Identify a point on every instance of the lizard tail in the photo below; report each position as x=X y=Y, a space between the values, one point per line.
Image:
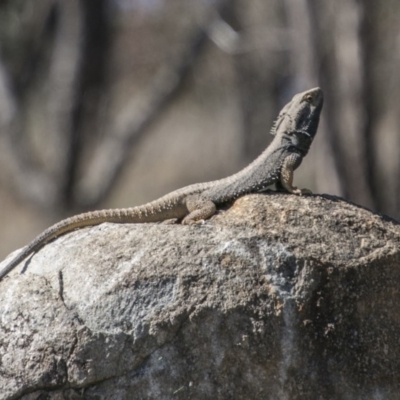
x=125 y=215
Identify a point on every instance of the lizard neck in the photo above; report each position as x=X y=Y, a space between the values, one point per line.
x=297 y=141
x=256 y=177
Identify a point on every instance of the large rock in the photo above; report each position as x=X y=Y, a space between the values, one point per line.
x=280 y=297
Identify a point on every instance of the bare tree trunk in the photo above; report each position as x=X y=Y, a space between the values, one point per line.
x=337 y=44
x=379 y=35
x=305 y=64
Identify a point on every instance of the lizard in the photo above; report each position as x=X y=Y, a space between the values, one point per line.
x=293 y=131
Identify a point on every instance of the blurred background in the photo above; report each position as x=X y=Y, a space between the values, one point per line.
x=112 y=103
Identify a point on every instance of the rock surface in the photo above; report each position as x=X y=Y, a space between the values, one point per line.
x=279 y=297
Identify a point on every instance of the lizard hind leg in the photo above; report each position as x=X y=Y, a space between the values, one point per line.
x=286 y=176
x=199 y=209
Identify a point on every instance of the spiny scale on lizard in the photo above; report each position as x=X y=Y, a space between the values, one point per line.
x=293 y=132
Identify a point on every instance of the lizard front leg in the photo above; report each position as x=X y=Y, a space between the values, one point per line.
x=286 y=176
x=199 y=209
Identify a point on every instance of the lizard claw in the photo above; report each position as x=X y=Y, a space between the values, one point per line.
x=197 y=222
x=306 y=191
x=189 y=221
x=301 y=192
x=169 y=221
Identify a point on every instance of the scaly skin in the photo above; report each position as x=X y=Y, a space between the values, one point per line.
x=294 y=131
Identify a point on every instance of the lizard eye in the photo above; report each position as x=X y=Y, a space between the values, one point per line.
x=308 y=98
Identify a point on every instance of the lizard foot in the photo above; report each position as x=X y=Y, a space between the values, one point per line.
x=301 y=192
x=170 y=221
x=199 y=210
x=193 y=222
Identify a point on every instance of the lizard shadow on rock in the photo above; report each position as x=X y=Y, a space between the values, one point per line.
x=336 y=199
x=26 y=265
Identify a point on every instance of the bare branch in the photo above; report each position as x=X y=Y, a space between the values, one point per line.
x=133 y=121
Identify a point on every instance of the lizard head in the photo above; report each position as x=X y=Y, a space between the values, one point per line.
x=298 y=120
